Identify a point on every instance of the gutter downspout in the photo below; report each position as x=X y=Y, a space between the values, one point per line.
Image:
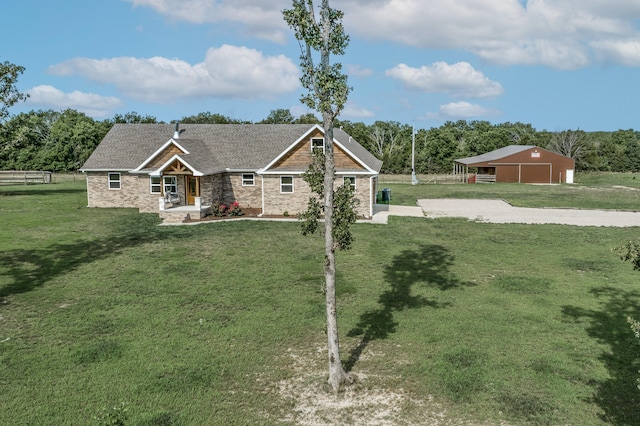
x=373 y=193
x=262 y=194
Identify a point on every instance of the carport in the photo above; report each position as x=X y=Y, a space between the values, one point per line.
x=516 y=163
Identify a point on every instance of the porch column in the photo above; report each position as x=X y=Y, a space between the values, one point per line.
x=198 y=202
x=161 y=204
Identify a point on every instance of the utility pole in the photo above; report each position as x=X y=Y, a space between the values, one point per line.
x=414 y=179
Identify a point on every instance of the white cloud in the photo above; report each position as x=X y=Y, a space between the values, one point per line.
x=227 y=72
x=89 y=103
x=562 y=34
x=459 y=80
x=625 y=52
x=259 y=18
x=555 y=33
x=354 y=112
x=461 y=111
x=358 y=71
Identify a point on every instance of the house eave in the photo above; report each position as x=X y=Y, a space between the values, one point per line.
x=106 y=170
x=159 y=170
x=159 y=150
x=293 y=145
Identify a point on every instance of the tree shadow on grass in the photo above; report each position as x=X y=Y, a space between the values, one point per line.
x=30 y=190
x=618 y=397
x=427 y=265
x=28 y=269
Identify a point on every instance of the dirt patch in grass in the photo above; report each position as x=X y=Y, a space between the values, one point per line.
x=365 y=403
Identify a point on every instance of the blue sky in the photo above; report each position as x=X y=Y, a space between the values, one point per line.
x=557 y=64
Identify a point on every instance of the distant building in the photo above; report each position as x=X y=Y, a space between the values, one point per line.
x=516 y=163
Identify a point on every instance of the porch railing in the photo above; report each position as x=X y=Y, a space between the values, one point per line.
x=485 y=178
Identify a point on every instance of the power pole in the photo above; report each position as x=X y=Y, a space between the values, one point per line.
x=414 y=179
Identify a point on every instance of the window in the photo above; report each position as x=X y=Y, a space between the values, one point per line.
x=156 y=184
x=286 y=184
x=317 y=143
x=248 y=179
x=170 y=184
x=114 y=181
x=351 y=181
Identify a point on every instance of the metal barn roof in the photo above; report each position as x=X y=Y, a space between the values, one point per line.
x=494 y=155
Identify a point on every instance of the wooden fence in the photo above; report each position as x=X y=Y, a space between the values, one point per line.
x=422 y=178
x=12 y=177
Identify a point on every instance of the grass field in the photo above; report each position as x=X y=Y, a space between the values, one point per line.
x=619 y=191
x=105 y=316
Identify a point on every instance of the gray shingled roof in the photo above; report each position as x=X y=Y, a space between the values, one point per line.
x=358 y=150
x=212 y=147
x=494 y=155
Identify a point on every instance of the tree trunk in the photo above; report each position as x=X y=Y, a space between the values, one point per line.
x=337 y=375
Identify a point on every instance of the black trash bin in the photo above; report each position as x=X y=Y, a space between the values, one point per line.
x=386 y=195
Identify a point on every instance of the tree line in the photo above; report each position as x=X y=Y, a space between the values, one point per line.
x=61 y=141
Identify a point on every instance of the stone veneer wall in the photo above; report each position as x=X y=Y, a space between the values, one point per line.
x=206 y=190
x=277 y=203
x=247 y=196
x=227 y=188
x=135 y=191
x=99 y=194
x=363 y=193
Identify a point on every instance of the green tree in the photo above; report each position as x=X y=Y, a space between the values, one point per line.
x=209 y=118
x=9 y=93
x=390 y=141
x=630 y=252
x=613 y=149
x=23 y=137
x=72 y=138
x=279 y=116
x=308 y=118
x=134 y=118
x=49 y=140
x=438 y=148
x=327 y=92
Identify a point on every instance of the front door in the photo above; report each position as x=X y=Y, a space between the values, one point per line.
x=193 y=189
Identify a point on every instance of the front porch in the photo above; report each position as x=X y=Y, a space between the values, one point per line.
x=178 y=213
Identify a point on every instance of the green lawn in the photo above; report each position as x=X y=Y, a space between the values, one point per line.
x=591 y=191
x=222 y=323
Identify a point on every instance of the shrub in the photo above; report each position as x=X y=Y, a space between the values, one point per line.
x=219 y=209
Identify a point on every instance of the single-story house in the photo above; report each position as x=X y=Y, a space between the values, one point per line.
x=186 y=169
x=516 y=163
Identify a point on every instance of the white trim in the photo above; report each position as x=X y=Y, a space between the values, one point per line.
x=171 y=160
x=253 y=179
x=292 y=184
x=312 y=148
x=119 y=180
x=262 y=195
x=158 y=151
x=290 y=147
x=355 y=181
x=151 y=185
x=354 y=157
x=282 y=172
x=305 y=136
x=342 y=173
x=164 y=185
x=104 y=170
x=228 y=170
x=373 y=192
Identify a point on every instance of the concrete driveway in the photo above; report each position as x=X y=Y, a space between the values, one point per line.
x=498 y=211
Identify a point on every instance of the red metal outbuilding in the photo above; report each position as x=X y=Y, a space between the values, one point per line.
x=516 y=163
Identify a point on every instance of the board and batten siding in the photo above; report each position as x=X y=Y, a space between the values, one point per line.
x=300 y=157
